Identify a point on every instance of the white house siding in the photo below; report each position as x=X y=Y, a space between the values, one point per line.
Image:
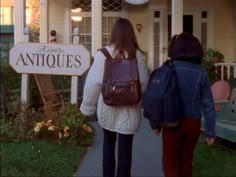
x=224 y=21
x=6 y=3
x=139 y=15
x=225 y=28
x=56 y=21
x=161 y=2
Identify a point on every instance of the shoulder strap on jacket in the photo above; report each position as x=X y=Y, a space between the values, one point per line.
x=106 y=53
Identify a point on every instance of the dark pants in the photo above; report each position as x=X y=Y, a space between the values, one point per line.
x=124 y=154
x=178 y=147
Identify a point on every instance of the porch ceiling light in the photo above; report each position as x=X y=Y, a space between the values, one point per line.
x=76 y=10
x=76 y=18
x=137 y=2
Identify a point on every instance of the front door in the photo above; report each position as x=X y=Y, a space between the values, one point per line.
x=194 y=22
x=190 y=24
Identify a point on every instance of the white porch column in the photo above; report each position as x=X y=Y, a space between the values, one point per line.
x=19 y=37
x=19 y=12
x=96 y=25
x=43 y=21
x=177 y=17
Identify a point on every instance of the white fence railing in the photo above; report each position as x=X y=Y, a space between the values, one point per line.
x=227 y=70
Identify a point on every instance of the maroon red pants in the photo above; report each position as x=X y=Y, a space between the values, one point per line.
x=178 y=147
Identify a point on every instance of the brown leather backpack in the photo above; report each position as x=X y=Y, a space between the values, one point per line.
x=121 y=84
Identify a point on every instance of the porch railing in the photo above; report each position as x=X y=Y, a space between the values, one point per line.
x=226 y=70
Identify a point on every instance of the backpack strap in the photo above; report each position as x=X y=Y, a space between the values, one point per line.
x=106 y=53
x=172 y=65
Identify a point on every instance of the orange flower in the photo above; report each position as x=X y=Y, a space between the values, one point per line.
x=87 y=128
x=48 y=123
x=66 y=129
x=66 y=134
x=37 y=129
x=52 y=128
x=40 y=124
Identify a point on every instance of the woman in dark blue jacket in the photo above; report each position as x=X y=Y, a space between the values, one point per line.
x=179 y=143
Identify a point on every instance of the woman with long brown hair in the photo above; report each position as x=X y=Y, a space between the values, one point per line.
x=118 y=122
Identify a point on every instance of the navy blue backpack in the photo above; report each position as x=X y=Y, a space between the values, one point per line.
x=162 y=102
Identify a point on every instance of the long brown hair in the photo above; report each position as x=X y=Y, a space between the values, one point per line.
x=124 y=38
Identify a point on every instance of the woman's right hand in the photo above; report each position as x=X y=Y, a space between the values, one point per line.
x=210 y=141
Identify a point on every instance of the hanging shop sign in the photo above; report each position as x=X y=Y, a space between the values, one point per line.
x=58 y=59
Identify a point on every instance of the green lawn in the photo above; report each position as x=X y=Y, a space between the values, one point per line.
x=39 y=158
x=218 y=160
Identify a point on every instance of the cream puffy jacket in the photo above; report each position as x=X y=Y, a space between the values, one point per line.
x=122 y=119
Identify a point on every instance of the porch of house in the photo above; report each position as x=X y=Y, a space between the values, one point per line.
x=226 y=116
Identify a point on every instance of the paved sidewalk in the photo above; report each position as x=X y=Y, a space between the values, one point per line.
x=147 y=152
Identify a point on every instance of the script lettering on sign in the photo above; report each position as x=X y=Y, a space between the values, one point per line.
x=49 y=59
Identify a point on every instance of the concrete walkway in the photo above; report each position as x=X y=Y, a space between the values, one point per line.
x=147 y=154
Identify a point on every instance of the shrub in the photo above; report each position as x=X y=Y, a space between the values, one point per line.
x=9 y=77
x=17 y=123
x=70 y=128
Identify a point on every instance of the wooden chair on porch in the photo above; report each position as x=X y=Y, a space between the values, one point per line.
x=221 y=91
x=52 y=99
x=224 y=94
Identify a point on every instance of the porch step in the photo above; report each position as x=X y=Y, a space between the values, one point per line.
x=226 y=130
x=227 y=124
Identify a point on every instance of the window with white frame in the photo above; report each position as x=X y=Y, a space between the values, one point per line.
x=204 y=30
x=6 y=15
x=156 y=39
x=107 y=25
x=81 y=18
x=85 y=31
x=112 y=10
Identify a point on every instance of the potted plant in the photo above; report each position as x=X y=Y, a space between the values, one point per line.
x=211 y=70
x=212 y=56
